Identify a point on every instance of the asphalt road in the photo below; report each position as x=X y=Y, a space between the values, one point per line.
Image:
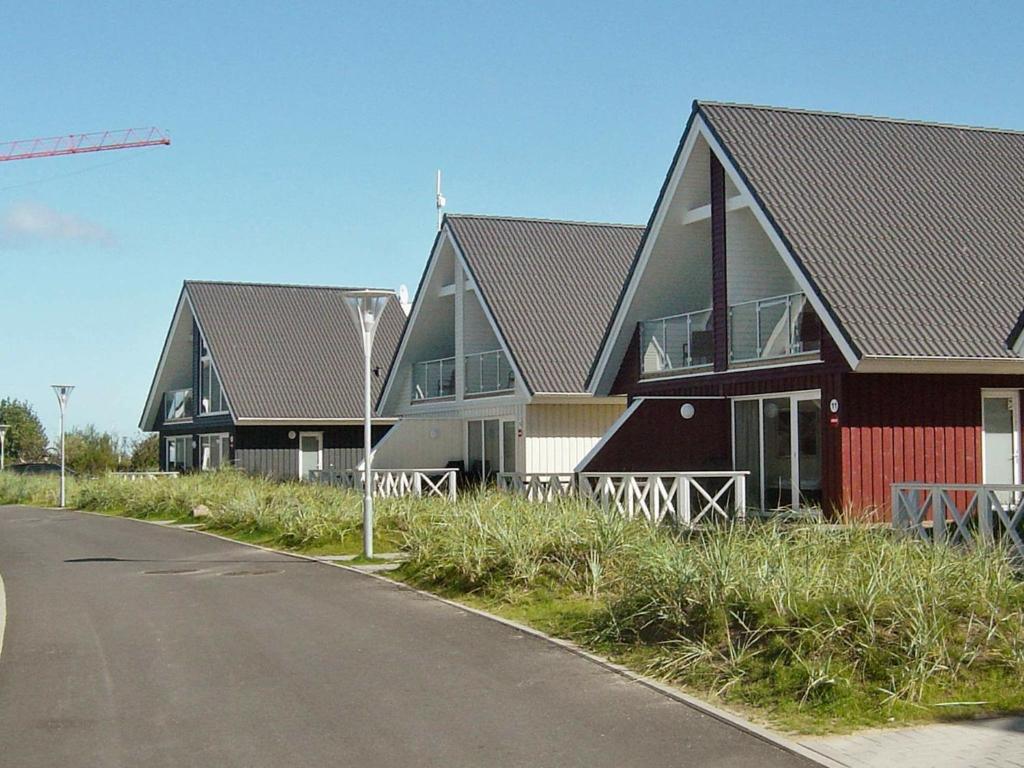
x=137 y=645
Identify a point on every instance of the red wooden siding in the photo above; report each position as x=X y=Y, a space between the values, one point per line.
x=719 y=284
x=656 y=438
x=909 y=428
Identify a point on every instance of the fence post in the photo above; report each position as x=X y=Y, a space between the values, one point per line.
x=451 y=485
x=985 y=513
x=740 y=483
x=417 y=484
x=938 y=516
x=685 y=512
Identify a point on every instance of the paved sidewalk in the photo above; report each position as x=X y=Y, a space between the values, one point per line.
x=977 y=744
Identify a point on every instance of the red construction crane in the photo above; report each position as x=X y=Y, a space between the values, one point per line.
x=80 y=143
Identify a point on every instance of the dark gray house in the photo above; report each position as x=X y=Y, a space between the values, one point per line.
x=268 y=378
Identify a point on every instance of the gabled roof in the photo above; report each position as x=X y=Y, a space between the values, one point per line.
x=550 y=286
x=911 y=233
x=288 y=352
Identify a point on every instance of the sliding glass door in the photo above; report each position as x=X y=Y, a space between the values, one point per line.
x=490 y=447
x=777 y=438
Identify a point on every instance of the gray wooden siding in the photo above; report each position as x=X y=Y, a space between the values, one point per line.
x=270 y=452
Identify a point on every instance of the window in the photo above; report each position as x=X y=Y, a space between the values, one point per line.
x=215 y=451
x=211 y=396
x=491 y=447
x=179 y=453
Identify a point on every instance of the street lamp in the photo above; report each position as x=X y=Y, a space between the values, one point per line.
x=62 y=391
x=3 y=433
x=366 y=308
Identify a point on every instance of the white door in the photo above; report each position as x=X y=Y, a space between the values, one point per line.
x=311 y=453
x=1000 y=436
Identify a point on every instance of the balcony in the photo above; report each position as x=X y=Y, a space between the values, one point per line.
x=676 y=343
x=489 y=373
x=177 y=405
x=779 y=326
x=433 y=379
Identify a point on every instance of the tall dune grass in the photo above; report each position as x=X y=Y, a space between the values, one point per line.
x=812 y=624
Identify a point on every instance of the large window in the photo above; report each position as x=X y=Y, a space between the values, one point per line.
x=777 y=438
x=211 y=396
x=179 y=453
x=214 y=451
x=491 y=447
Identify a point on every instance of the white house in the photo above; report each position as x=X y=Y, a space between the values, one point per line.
x=491 y=369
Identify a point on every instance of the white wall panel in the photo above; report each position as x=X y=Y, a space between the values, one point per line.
x=559 y=436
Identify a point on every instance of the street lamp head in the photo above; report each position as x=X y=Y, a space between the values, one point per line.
x=366 y=305
x=3 y=429
x=62 y=391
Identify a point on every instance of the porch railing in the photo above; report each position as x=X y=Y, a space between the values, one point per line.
x=684 y=498
x=537 y=486
x=677 y=342
x=394 y=483
x=986 y=515
x=770 y=327
x=488 y=372
x=433 y=379
x=177 y=405
x=142 y=475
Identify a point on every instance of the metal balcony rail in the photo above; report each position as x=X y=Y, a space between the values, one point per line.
x=178 y=405
x=488 y=372
x=769 y=328
x=433 y=379
x=676 y=342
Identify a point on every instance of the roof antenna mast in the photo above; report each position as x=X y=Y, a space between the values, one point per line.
x=440 y=201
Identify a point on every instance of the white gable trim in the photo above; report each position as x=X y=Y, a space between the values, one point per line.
x=699 y=128
x=417 y=304
x=213 y=364
x=471 y=284
x=151 y=398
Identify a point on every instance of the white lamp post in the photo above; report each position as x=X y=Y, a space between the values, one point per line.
x=366 y=308
x=62 y=391
x=3 y=433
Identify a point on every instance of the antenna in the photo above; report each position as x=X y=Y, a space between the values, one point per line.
x=440 y=201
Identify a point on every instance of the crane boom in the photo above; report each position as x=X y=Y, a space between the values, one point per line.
x=80 y=143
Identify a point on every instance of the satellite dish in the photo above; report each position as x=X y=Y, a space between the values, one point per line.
x=403 y=298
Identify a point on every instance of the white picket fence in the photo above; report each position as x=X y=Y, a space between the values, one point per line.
x=961 y=514
x=142 y=475
x=538 y=486
x=684 y=498
x=395 y=483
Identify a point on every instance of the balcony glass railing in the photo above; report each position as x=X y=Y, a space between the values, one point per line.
x=676 y=343
x=178 y=405
x=433 y=379
x=774 y=327
x=488 y=372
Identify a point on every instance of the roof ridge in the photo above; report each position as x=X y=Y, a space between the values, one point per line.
x=304 y=286
x=540 y=220
x=698 y=103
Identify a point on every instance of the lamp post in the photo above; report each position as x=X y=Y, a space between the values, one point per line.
x=366 y=308
x=3 y=433
x=62 y=391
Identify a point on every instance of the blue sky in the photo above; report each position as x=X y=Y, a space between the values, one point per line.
x=306 y=137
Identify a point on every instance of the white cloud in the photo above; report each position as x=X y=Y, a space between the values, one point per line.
x=27 y=222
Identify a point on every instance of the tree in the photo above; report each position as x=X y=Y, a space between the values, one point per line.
x=145 y=453
x=91 y=452
x=26 y=438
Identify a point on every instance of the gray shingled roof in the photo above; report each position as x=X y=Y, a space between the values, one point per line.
x=289 y=351
x=551 y=286
x=912 y=232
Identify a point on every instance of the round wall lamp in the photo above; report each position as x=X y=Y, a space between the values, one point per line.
x=434 y=433
x=687 y=410
x=291 y=434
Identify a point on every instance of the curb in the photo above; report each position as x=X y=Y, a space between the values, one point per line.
x=724 y=716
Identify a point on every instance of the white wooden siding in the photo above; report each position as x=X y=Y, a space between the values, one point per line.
x=557 y=437
x=477 y=334
x=754 y=268
x=420 y=444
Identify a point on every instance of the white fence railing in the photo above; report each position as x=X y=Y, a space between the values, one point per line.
x=143 y=475
x=685 y=498
x=961 y=514
x=538 y=486
x=395 y=483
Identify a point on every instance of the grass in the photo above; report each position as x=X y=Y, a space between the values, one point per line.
x=811 y=628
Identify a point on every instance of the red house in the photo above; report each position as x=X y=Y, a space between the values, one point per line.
x=828 y=301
